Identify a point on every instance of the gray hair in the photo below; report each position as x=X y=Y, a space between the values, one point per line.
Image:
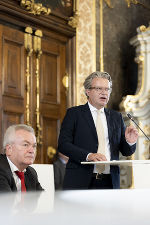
x=11 y=131
x=88 y=81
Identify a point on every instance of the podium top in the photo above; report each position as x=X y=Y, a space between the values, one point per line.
x=119 y=162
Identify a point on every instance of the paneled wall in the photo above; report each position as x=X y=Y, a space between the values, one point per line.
x=36 y=53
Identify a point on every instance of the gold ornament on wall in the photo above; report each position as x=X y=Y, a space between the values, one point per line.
x=146 y=154
x=38 y=53
x=29 y=50
x=51 y=152
x=65 y=80
x=129 y=2
x=108 y=2
x=74 y=20
x=34 y=8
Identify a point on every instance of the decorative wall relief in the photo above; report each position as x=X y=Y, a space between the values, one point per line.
x=34 y=8
x=139 y=104
x=85 y=45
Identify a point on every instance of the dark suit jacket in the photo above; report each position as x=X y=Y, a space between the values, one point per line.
x=59 y=172
x=7 y=182
x=78 y=138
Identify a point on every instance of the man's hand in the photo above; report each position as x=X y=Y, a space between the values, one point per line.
x=96 y=157
x=131 y=134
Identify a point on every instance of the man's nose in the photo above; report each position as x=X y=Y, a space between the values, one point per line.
x=32 y=148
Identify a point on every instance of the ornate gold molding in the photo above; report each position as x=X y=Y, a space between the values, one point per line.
x=51 y=152
x=128 y=102
x=34 y=8
x=129 y=2
x=143 y=28
x=147 y=129
x=101 y=37
x=65 y=80
x=146 y=153
x=74 y=20
x=38 y=52
x=108 y=2
x=29 y=50
x=135 y=2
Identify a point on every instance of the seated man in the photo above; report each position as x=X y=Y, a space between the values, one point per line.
x=19 y=152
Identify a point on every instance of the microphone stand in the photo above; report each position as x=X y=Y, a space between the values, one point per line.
x=131 y=118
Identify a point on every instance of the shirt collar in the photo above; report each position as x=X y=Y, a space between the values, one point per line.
x=92 y=108
x=13 y=167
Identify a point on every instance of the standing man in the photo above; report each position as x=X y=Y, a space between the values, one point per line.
x=91 y=132
x=20 y=150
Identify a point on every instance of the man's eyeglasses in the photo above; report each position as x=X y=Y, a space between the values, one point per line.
x=101 y=89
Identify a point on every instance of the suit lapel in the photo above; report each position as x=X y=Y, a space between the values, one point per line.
x=88 y=116
x=109 y=123
x=27 y=181
x=9 y=172
x=110 y=128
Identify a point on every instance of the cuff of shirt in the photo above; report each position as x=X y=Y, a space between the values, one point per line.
x=131 y=143
x=87 y=157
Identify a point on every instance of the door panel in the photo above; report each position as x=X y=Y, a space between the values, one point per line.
x=12 y=73
x=49 y=136
x=49 y=78
x=11 y=78
x=52 y=70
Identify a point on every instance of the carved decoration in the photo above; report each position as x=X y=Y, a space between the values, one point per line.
x=85 y=46
x=73 y=20
x=146 y=154
x=51 y=152
x=29 y=50
x=38 y=53
x=35 y=8
x=129 y=2
x=108 y=2
x=135 y=2
x=147 y=129
x=128 y=102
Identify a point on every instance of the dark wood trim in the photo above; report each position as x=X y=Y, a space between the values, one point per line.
x=71 y=70
x=12 y=12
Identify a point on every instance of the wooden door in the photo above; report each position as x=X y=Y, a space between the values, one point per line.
x=13 y=87
x=52 y=96
x=12 y=78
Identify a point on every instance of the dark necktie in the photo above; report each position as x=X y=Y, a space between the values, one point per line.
x=21 y=176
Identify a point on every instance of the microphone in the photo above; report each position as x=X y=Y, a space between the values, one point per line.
x=131 y=118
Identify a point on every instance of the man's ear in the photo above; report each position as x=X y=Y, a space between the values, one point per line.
x=8 y=149
x=87 y=92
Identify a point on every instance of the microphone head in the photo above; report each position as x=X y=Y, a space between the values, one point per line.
x=129 y=116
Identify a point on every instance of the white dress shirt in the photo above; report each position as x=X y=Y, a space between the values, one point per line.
x=104 y=121
x=16 y=178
